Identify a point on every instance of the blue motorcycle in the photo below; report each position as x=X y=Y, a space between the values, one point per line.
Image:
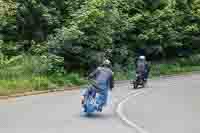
x=91 y=99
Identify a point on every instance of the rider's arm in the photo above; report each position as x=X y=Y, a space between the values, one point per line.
x=94 y=74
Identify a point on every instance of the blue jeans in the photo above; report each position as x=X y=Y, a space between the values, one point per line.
x=102 y=94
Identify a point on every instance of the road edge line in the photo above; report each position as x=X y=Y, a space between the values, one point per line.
x=123 y=117
x=34 y=93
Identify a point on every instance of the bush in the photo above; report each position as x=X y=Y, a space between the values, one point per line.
x=24 y=66
x=40 y=83
x=193 y=60
x=14 y=86
x=26 y=73
x=67 y=79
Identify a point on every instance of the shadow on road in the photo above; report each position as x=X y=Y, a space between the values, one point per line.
x=100 y=116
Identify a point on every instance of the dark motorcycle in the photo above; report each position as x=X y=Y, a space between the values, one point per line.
x=140 y=81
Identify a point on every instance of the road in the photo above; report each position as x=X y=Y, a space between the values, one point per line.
x=171 y=105
x=168 y=105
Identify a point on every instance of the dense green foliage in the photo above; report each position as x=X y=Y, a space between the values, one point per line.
x=76 y=35
x=85 y=31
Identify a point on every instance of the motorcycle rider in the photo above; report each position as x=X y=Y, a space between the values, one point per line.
x=103 y=78
x=142 y=67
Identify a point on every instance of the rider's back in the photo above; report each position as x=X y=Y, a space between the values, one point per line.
x=103 y=77
x=141 y=66
x=104 y=74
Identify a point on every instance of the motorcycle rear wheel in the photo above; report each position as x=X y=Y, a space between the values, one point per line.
x=135 y=85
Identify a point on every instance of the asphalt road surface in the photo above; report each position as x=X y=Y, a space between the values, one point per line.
x=169 y=105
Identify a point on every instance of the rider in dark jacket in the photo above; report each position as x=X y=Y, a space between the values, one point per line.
x=142 y=67
x=104 y=73
x=103 y=78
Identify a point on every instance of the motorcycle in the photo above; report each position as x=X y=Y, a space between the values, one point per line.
x=140 y=81
x=91 y=99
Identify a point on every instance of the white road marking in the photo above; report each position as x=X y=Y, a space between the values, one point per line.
x=124 y=118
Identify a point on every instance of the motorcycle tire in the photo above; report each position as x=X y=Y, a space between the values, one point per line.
x=135 y=85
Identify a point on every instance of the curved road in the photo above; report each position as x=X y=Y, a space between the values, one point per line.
x=169 y=105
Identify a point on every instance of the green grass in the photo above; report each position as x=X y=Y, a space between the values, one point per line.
x=29 y=73
x=36 y=83
x=180 y=65
x=169 y=69
x=158 y=70
x=23 y=85
x=70 y=79
x=177 y=66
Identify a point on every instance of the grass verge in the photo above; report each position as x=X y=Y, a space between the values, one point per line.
x=30 y=73
x=18 y=77
x=39 y=83
x=177 y=66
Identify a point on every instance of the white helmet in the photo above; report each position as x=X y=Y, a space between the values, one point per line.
x=106 y=62
x=142 y=58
